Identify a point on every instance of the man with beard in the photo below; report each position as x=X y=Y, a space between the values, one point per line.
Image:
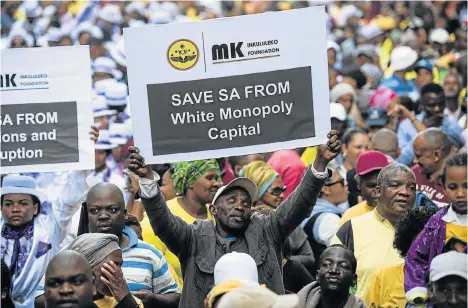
x=370 y=236
x=336 y=274
x=452 y=87
x=69 y=281
x=234 y=228
x=433 y=105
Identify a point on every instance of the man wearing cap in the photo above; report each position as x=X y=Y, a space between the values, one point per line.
x=447 y=280
x=368 y=167
x=401 y=60
x=234 y=228
x=424 y=74
x=376 y=120
x=31 y=239
x=117 y=97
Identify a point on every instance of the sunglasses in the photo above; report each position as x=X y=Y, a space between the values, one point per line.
x=340 y=181
x=277 y=191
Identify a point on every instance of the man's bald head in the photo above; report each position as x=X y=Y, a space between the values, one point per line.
x=434 y=138
x=69 y=280
x=105 y=191
x=68 y=258
x=385 y=141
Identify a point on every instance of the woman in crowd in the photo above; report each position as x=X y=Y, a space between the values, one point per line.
x=105 y=258
x=196 y=183
x=445 y=231
x=345 y=95
x=270 y=195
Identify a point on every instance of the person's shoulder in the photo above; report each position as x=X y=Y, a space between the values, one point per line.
x=147 y=249
x=363 y=219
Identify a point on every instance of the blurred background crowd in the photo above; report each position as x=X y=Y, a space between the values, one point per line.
x=397 y=74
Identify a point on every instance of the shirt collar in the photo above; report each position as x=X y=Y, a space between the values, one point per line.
x=382 y=220
x=452 y=217
x=132 y=236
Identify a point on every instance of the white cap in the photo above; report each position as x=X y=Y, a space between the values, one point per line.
x=333 y=45
x=171 y=7
x=54 y=34
x=139 y=7
x=106 y=65
x=116 y=94
x=241 y=182
x=236 y=266
x=439 y=35
x=337 y=111
x=257 y=297
x=20 y=32
x=31 y=8
x=103 y=142
x=100 y=86
x=160 y=17
x=100 y=108
x=119 y=133
x=49 y=11
x=87 y=27
x=451 y=263
x=117 y=52
x=402 y=57
x=111 y=13
x=370 y=31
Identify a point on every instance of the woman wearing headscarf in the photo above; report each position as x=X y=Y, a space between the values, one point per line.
x=196 y=183
x=270 y=195
x=345 y=95
x=105 y=258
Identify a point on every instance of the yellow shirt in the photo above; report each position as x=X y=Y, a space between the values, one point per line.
x=149 y=237
x=456 y=231
x=110 y=302
x=386 y=289
x=309 y=155
x=371 y=238
x=357 y=210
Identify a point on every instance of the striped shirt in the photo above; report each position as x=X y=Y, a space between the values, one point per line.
x=145 y=268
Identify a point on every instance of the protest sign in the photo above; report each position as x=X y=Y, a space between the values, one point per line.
x=230 y=86
x=46 y=111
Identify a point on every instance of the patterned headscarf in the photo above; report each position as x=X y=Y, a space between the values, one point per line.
x=187 y=173
x=262 y=175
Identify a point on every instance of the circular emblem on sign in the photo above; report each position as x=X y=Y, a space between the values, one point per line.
x=182 y=54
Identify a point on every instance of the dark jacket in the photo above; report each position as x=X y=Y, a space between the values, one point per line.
x=199 y=247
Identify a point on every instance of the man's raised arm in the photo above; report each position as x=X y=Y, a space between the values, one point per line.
x=172 y=230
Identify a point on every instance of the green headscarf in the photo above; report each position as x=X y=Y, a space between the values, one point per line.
x=187 y=173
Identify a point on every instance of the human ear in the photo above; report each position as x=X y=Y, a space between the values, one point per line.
x=213 y=210
x=36 y=209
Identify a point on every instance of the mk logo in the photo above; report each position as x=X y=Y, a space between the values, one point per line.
x=7 y=80
x=223 y=52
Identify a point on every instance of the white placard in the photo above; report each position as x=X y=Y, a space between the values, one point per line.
x=46 y=111
x=229 y=86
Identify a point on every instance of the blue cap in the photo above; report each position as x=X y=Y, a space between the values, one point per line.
x=19 y=184
x=377 y=117
x=424 y=64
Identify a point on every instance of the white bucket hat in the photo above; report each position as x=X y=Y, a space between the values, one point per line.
x=236 y=266
x=100 y=108
x=111 y=13
x=116 y=94
x=119 y=133
x=402 y=57
x=106 y=65
x=104 y=142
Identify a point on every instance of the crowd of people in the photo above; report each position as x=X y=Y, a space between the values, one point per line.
x=376 y=217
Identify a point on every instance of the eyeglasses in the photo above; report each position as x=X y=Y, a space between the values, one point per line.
x=340 y=181
x=277 y=191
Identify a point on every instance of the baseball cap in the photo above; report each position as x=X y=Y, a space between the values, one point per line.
x=337 y=111
x=448 y=264
x=370 y=161
x=241 y=182
x=257 y=297
x=423 y=64
x=439 y=35
x=377 y=117
x=236 y=266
